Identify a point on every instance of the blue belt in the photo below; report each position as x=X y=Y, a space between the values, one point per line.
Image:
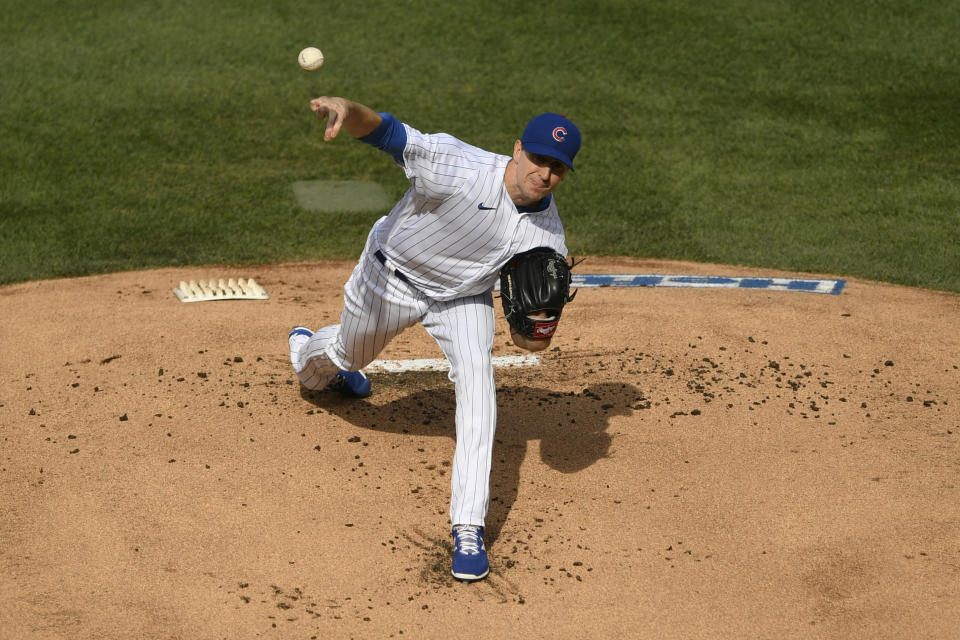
x=383 y=260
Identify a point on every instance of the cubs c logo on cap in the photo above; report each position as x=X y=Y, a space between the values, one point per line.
x=551 y=134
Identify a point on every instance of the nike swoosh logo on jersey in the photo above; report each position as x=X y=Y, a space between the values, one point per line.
x=483 y=208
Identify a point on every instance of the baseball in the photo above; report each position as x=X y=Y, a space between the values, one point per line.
x=311 y=59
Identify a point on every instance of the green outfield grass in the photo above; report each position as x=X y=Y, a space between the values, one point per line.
x=811 y=136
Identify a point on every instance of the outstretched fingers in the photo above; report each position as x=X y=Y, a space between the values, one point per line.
x=334 y=110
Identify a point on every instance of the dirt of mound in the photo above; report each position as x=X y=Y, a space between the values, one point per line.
x=686 y=463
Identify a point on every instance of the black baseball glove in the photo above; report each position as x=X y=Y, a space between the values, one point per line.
x=532 y=281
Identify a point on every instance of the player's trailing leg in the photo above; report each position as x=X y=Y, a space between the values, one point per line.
x=314 y=375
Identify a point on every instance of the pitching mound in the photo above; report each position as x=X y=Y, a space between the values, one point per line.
x=684 y=464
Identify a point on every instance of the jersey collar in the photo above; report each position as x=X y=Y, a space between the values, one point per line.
x=539 y=206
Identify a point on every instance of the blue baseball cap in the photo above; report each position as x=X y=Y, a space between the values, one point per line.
x=552 y=134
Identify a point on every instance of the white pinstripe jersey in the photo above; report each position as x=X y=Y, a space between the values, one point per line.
x=456 y=225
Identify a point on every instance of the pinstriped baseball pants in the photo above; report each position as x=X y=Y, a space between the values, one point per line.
x=377 y=307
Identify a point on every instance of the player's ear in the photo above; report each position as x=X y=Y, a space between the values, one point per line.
x=517 y=150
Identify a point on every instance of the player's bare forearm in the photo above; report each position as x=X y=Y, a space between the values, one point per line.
x=359 y=120
x=530 y=344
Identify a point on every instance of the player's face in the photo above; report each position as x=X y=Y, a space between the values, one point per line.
x=532 y=344
x=536 y=175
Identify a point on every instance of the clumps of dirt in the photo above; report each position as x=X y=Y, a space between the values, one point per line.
x=736 y=377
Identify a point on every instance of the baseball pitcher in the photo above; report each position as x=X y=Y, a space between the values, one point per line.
x=470 y=217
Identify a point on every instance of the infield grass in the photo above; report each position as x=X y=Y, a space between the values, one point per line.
x=809 y=136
